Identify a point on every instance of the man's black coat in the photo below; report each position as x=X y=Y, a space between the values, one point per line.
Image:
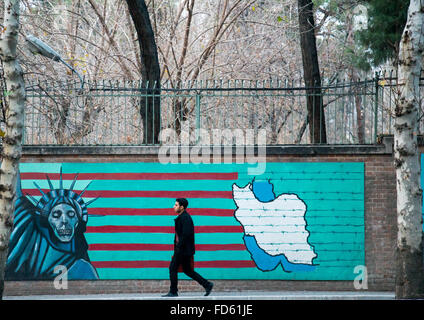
x=184 y=230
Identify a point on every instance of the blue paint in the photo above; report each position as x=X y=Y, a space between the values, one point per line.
x=264 y=192
x=82 y=270
x=266 y=262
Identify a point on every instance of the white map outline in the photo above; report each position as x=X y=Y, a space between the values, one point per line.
x=279 y=225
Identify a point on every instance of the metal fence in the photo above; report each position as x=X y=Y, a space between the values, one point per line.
x=387 y=95
x=109 y=112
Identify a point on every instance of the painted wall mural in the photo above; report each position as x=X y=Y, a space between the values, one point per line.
x=49 y=232
x=296 y=221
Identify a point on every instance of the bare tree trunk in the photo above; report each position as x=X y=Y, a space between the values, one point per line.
x=360 y=128
x=12 y=149
x=409 y=252
x=179 y=112
x=150 y=72
x=311 y=72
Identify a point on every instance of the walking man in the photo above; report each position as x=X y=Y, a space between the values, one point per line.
x=184 y=250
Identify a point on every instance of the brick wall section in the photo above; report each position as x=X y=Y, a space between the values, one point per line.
x=380 y=233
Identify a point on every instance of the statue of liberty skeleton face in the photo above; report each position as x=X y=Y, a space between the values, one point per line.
x=68 y=209
x=63 y=220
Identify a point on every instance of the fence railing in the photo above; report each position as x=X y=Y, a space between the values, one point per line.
x=114 y=112
x=388 y=94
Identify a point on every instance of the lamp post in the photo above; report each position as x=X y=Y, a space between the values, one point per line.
x=37 y=46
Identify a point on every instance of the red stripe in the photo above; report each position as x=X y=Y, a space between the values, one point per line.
x=160 y=247
x=159 y=212
x=135 y=176
x=144 y=194
x=159 y=229
x=225 y=264
x=130 y=247
x=165 y=264
x=130 y=264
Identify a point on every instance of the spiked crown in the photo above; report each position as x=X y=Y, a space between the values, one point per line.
x=61 y=195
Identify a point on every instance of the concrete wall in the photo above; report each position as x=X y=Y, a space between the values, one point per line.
x=379 y=218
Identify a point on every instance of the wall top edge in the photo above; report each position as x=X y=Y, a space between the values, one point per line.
x=303 y=150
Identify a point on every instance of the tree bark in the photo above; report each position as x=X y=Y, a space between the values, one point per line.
x=353 y=73
x=360 y=128
x=409 y=251
x=180 y=102
x=311 y=73
x=150 y=71
x=12 y=148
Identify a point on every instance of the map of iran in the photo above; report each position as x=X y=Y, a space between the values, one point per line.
x=274 y=228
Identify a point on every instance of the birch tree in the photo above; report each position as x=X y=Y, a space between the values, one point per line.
x=12 y=149
x=409 y=252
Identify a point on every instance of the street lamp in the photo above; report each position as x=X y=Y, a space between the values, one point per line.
x=37 y=46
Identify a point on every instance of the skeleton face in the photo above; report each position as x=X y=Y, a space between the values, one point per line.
x=63 y=220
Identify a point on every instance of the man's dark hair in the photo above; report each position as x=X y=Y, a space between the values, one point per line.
x=183 y=202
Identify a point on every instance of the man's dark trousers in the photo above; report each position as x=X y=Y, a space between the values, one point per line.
x=185 y=261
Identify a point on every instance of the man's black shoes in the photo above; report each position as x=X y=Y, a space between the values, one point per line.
x=170 y=294
x=208 y=288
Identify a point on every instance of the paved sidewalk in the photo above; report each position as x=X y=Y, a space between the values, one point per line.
x=250 y=295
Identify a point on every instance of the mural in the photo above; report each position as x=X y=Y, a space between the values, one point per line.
x=49 y=232
x=296 y=221
x=274 y=227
